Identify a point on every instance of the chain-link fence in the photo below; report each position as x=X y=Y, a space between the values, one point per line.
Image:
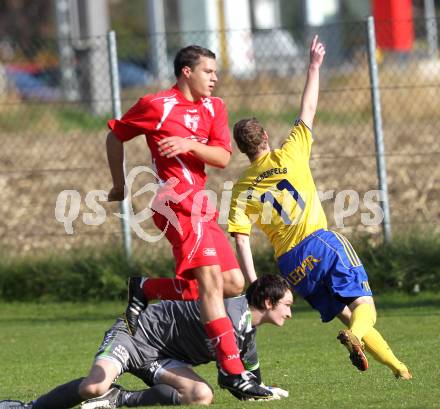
x=55 y=100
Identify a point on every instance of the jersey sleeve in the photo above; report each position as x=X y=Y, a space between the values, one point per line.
x=299 y=141
x=136 y=121
x=249 y=354
x=219 y=134
x=238 y=220
x=240 y=315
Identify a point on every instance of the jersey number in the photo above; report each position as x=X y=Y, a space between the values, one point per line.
x=283 y=185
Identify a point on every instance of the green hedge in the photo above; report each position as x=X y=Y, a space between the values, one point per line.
x=411 y=262
x=78 y=276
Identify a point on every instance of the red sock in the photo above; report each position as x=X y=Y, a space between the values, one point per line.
x=171 y=289
x=222 y=337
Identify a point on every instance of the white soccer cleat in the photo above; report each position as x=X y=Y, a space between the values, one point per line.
x=14 y=404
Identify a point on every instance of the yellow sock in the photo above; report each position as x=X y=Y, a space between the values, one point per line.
x=378 y=347
x=362 y=320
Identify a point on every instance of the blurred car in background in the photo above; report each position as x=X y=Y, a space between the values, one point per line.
x=276 y=52
x=33 y=82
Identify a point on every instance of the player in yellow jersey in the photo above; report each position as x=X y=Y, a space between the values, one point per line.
x=278 y=194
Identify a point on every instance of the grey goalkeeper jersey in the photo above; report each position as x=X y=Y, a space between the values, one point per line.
x=175 y=330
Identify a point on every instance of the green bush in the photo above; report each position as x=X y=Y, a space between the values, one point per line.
x=78 y=276
x=409 y=263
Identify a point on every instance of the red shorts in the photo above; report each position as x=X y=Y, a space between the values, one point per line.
x=198 y=244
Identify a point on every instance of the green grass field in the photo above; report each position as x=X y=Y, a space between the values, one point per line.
x=43 y=345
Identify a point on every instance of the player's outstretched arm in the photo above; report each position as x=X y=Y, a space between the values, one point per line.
x=245 y=258
x=115 y=157
x=309 y=100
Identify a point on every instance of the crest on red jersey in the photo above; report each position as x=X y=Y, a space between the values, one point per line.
x=191 y=121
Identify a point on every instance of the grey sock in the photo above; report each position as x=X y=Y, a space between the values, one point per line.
x=161 y=394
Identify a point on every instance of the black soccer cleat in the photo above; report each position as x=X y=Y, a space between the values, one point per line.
x=110 y=400
x=137 y=302
x=14 y=404
x=243 y=386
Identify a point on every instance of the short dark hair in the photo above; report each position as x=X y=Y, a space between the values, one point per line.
x=270 y=287
x=189 y=57
x=249 y=136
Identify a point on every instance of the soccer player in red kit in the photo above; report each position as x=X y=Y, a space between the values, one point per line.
x=186 y=128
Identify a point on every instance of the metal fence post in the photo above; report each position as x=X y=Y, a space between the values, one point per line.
x=431 y=28
x=116 y=107
x=378 y=131
x=69 y=80
x=158 y=39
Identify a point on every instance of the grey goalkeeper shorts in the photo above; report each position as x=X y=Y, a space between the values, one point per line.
x=131 y=355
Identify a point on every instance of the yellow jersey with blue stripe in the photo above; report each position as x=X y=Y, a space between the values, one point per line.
x=277 y=193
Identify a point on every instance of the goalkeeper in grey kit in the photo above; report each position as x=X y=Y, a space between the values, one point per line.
x=170 y=341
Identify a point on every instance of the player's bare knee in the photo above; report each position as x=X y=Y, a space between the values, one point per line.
x=235 y=287
x=233 y=282
x=239 y=283
x=365 y=299
x=89 y=389
x=345 y=316
x=201 y=394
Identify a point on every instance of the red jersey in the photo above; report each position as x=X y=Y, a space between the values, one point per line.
x=180 y=210
x=169 y=113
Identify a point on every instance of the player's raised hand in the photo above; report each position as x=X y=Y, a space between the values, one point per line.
x=317 y=52
x=116 y=194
